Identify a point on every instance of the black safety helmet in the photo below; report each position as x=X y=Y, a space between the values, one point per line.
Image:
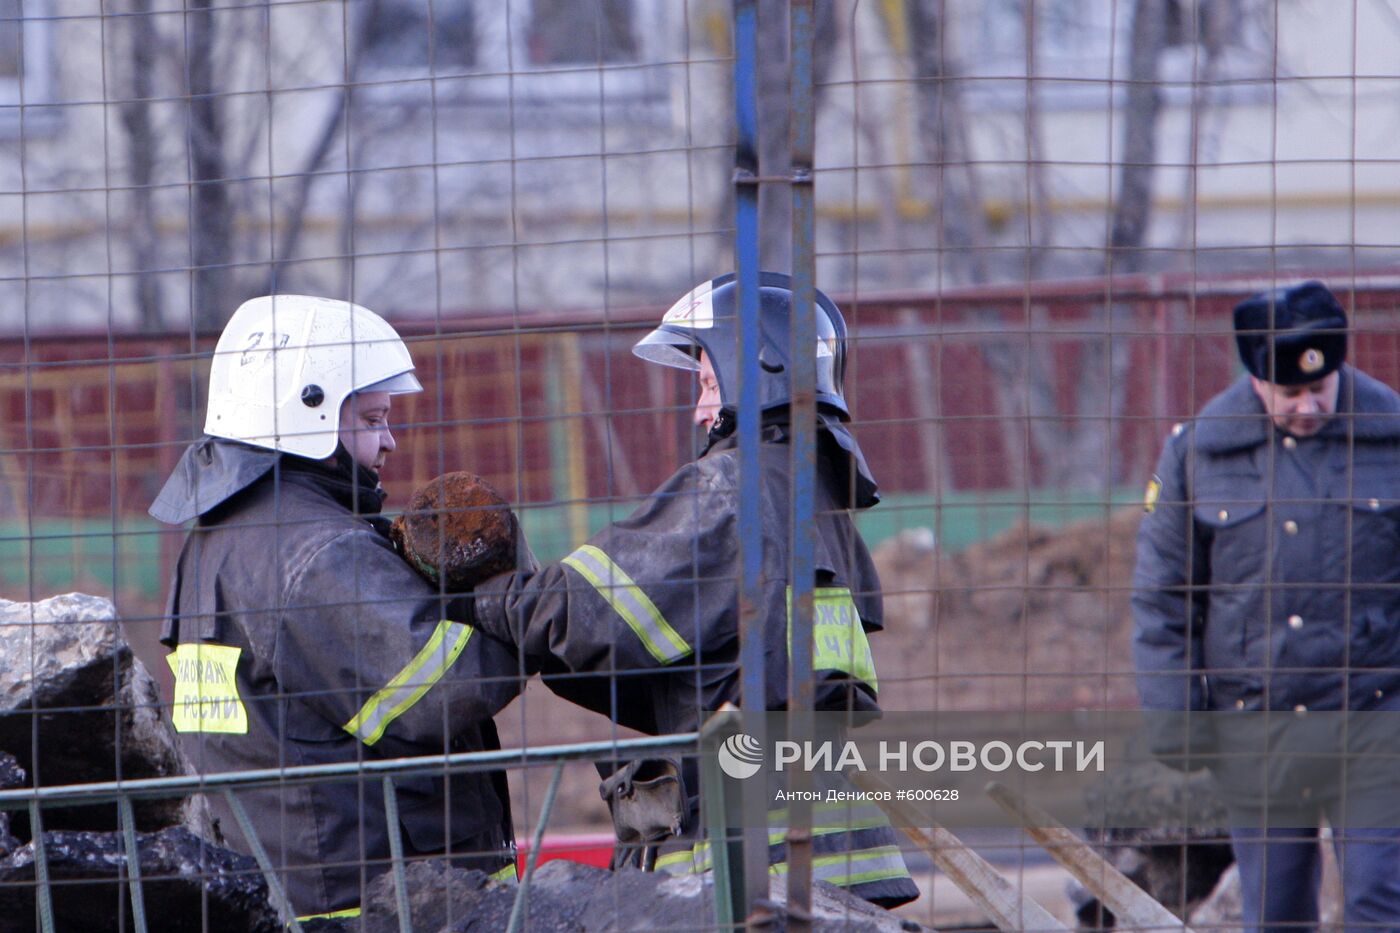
x=707 y=318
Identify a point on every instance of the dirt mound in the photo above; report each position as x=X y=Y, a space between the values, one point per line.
x=1034 y=618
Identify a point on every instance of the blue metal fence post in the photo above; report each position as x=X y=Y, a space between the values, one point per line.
x=802 y=572
x=754 y=855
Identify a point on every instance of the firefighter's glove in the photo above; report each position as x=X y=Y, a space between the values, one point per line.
x=648 y=803
x=457 y=531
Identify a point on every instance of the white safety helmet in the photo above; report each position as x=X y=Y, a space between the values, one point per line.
x=285 y=363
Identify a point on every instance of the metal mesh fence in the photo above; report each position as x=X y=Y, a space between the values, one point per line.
x=1037 y=218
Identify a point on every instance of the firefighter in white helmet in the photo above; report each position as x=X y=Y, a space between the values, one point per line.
x=298 y=635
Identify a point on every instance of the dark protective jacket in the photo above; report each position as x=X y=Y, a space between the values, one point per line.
x=301 y=637
x=1267 y=566
x=642 y=622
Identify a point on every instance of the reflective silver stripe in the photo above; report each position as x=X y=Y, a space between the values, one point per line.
x=628 y=601
x=887 y=861
x=862 y=867
x=408 y=685
x=836 y=816
x=851 y=868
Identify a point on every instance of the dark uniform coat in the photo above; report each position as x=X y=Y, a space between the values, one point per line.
x=300 y=637
x=1268 y=565
x=652 y=602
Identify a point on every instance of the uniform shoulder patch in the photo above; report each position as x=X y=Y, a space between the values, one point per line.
x=206 y=689
x=1154 y=490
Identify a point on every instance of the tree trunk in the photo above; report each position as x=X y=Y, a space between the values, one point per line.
x=961 y=226
x=1132 y=209
x=135 y=114
x=774 y=119
x=1105 y=363
x=211 y=220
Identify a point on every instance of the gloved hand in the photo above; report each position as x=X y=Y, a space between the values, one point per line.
x=457 y=529
x=648 y=803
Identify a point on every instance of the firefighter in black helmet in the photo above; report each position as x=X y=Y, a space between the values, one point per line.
x=642 y=622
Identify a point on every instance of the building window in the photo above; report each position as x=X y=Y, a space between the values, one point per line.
x=26 y=66
x=1075 y=39
x=581 y=32
x=1213 y=24
x=543 y=58
x=9 y=42
x=411 y=34
x=1234 y=38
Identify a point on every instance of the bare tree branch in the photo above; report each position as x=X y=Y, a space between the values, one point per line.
x=296 y=213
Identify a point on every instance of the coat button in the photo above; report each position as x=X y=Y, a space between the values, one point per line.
x=1290 y=442
x=1300 y=708
x=1177 y=429
x=1239 y=704
x=1379 y=693
x=1374 y=503
x=1290 y=527
x=1295 y=622
x=1224 y=515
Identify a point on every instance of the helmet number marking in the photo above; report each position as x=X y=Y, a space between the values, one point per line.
x=255 y=340
x=695 y=310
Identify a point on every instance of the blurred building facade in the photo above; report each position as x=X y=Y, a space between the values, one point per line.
x=160 y=162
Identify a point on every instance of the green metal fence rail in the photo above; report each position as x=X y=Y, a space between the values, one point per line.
x=35 y=799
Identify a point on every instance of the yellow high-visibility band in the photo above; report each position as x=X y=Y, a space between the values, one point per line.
x=627 y=600
x=408 y=685
x=333 y=915
x=839 y=642
x=506 y=874
x=844 y=869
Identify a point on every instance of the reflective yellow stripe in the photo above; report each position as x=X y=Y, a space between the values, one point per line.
x=850 y=868
x=685 y=861
x=506 y=874
x=409 y=684
x=628 y=601
x=839 y=642
x=333 y=915
x=844 y=869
